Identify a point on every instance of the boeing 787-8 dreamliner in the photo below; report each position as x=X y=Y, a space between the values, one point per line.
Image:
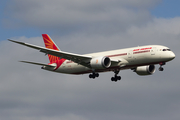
x=141 y=59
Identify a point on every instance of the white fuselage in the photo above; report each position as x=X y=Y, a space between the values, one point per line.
x=140 y=59
x=129 y=57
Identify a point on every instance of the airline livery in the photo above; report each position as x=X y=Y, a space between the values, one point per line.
x=141 y=59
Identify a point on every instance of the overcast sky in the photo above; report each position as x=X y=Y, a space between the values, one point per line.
x=85 y=26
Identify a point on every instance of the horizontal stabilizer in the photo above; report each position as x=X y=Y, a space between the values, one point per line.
x=41 y=64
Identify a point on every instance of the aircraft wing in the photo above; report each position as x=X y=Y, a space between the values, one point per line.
x=80 y=59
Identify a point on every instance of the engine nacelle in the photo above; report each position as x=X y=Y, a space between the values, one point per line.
x=145 y=70
x=100 y=62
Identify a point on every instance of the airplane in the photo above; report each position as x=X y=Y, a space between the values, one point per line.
x=141 y=59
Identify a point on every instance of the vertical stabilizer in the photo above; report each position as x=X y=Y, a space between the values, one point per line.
x=49 y=43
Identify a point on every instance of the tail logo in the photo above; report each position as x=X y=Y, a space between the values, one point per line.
x=51 y=45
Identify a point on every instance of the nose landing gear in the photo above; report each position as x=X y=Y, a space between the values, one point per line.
x=161 y=64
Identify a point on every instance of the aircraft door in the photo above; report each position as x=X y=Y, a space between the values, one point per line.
x=130 y=54
x=131 y=58
x=153 y=51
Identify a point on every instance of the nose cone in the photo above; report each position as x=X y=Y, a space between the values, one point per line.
x=172 y=55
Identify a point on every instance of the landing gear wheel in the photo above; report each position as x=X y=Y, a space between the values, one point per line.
x=90 y=76
x=116 y=78
x=112 y=79
x=161 y=68
x=119 y=77
x=94 y=75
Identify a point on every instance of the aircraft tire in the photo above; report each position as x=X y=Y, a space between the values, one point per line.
x=161 y=69
x=97 y=75
x=119 y=77
x=114 y=79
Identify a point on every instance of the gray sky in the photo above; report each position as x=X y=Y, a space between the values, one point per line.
x=85 y=26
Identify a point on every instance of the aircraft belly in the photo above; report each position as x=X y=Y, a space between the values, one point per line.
x=71 y=68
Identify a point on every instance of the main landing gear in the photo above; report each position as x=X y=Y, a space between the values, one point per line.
x=93 y=75
x=116 y=78
x=161 y=64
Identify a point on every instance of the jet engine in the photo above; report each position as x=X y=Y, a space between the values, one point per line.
x=145 y=70
x=100 y=62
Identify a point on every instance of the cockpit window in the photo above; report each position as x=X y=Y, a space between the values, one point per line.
x=166 y=50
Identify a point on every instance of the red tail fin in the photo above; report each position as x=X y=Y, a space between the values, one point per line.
x=49 y=43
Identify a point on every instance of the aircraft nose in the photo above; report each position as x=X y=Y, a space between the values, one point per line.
x=172 y=55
